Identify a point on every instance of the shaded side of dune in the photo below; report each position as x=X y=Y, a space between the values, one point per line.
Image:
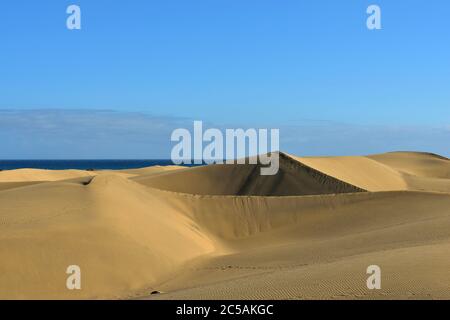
x=293 y=178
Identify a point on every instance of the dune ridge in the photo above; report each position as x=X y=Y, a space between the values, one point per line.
x=293 y=178
x=224 y=232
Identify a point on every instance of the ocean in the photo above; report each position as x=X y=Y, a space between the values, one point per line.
x=81 y=164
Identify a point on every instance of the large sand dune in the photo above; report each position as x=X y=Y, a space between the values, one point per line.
x=224 y=231
x=389 y=171
x=293 y=178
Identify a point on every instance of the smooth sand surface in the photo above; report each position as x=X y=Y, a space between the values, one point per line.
x=225 y=232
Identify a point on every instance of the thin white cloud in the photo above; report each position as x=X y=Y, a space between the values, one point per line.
x=79 y=134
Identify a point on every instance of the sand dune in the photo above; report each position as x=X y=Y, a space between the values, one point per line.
x=149 y=170
x=19 y=184
x=27 y=175
x=23 y=175
x=388 y=172
x=359 y=171
x=225 y=232
x=293 y=178
x=10 y=179
x=113 y=228
x=416 y=163
x=329 y=233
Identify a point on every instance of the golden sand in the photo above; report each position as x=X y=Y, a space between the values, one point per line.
x=224 y=232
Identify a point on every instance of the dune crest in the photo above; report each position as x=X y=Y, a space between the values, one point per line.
x=293 y=178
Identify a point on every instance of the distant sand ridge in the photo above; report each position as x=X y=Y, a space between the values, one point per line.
x=226 y=232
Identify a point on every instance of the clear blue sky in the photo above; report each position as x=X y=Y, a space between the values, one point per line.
x=310 y=67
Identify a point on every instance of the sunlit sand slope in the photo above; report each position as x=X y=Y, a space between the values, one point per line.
x=320 y=247
x=23 y=175
x=416 y=163
x=389 y=171
x=122 y=237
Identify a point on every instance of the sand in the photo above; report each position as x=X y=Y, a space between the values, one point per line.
x=225 y=232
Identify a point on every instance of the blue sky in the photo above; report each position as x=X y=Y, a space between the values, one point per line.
x=137 y=69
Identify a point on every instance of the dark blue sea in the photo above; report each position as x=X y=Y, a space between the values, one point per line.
x=81 y=164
